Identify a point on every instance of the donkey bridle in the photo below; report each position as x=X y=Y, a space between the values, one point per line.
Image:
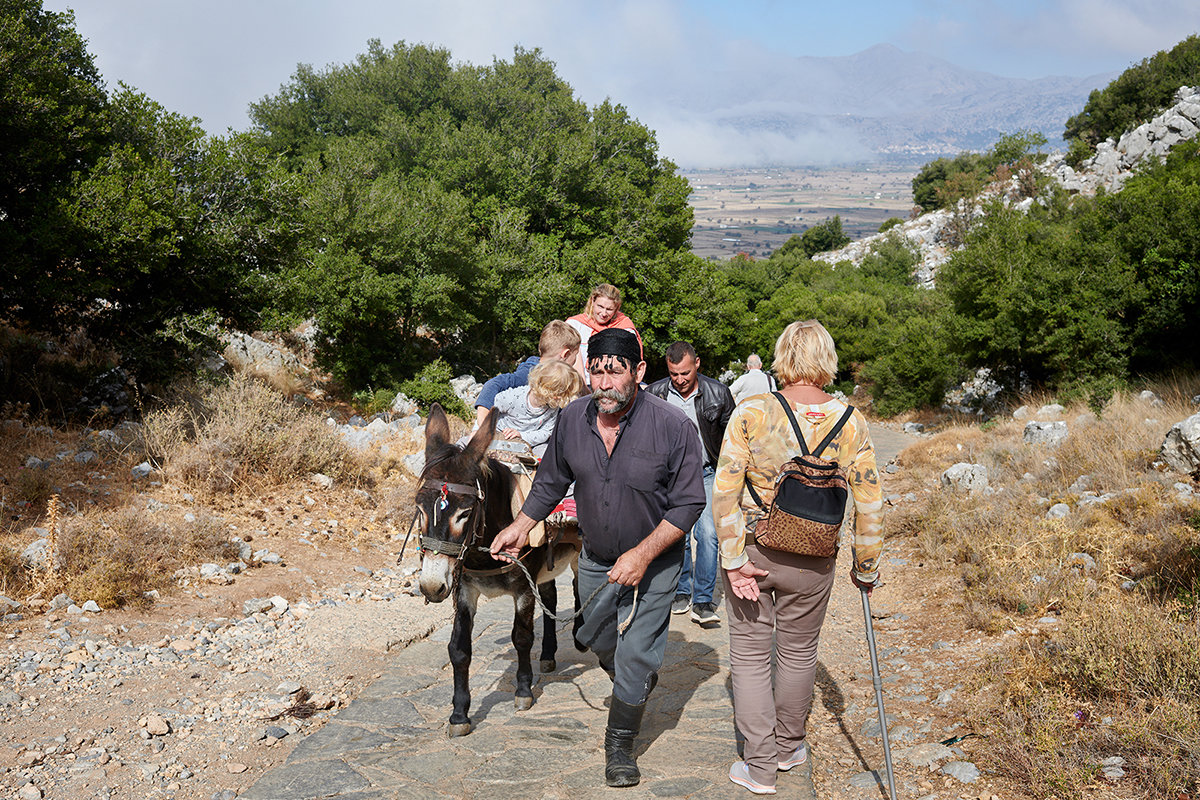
x=456 y=550
x=444 y=546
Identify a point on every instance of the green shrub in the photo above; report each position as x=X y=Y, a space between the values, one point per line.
x=1137 y=94
x=1078 y=152
x=890 y=223
x=824 y=236
x=374 y=401
x=432 y=385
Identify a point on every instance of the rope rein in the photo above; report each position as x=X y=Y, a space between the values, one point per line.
x=537 y=598
x=458 y=552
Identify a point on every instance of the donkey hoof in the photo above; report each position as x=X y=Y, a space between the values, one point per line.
x=458 y=729
x=549 y=665
x=522 y=703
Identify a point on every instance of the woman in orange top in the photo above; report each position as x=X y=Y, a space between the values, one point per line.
x=776 y=600
x=603 y=311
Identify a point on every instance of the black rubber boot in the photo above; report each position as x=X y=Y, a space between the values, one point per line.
x=624 y=722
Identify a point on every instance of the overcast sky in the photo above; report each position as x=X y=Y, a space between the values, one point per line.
x=211 y=58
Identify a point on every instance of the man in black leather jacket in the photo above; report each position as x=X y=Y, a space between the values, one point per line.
x=708 y=404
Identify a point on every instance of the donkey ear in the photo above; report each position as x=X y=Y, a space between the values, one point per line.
x=437 y=430
x=477 y=448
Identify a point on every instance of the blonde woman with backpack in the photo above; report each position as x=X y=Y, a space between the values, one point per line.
x=775 y=598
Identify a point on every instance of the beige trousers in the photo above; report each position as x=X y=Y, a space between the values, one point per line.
x=772 y=714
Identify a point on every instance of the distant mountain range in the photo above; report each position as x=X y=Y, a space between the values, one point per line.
x=880 y=102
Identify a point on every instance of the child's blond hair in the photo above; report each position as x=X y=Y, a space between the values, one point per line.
x=556 y=337
x=555 y=383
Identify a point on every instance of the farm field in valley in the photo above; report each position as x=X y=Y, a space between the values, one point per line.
x=754 y=211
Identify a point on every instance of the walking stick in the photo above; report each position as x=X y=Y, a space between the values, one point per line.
x=887 y=750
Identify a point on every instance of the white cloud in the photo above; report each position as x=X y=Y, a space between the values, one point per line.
x=697 y=142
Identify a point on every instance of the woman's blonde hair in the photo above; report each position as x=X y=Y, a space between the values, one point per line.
x=555 y=383
x=603 y=290
x=804 y=353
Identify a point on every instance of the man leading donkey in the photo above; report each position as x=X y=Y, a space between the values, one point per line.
x=636 y=463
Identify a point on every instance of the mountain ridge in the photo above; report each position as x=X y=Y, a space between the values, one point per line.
x=884 y=101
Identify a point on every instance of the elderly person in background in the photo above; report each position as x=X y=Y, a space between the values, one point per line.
x=776 y=600
x=603 y=312
x=755 y=381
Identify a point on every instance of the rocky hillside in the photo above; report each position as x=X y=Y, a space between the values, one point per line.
x=1108 y=169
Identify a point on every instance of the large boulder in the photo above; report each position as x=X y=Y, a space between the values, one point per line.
x=1046 y=433
x=1181 y=447
x=467 y=389
x=964 y=477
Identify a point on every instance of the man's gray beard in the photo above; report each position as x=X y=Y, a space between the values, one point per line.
x=621 y=399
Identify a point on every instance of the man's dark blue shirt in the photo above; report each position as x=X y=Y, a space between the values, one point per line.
x=653 y=474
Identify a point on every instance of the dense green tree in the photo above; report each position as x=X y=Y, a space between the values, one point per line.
x=824 y=236
x=1033 y=303
x=1152 y=230
x=916 y=366
x=1137 y=94
x=470 y=205
x=52 y=127
x=176 y=227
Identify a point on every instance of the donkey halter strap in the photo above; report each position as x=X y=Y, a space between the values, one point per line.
x=445 y=489
x=452 y=488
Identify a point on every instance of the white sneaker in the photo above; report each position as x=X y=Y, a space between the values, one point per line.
x=740 y=775
x=795 y=759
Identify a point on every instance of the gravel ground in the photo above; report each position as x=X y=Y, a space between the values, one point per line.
x=200 y=694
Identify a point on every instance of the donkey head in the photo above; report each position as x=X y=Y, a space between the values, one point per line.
x=450 y=500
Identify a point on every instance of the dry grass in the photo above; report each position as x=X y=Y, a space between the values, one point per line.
x=281 y=379
x=13 y=574
x=116 y=558
x=1121 y=676
x=113 y=557
x=245 y=435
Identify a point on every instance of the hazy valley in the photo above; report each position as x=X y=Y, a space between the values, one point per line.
x=754 y=211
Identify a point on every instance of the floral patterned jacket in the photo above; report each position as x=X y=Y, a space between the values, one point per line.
x=759 y=439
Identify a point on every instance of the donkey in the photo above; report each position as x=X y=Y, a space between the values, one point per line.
x=463 y=500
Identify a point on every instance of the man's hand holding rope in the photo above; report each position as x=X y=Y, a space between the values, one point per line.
x=509 y=541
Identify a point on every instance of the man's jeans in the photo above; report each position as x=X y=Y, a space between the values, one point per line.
x=704 y=533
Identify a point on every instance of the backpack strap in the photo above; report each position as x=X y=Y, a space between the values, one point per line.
x=753 y=494
x=787 y=408
x=834 y=431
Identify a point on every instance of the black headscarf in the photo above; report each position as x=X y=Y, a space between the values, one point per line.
x=615 y=342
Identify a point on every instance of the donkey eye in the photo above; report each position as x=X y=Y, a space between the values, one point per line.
x=461 y=515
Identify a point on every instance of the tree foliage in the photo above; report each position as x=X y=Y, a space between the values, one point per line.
x=433 y=216
x=177 y=227
x=944 y=181
x=52 y=127
x=462 y=207
x=1137 y=94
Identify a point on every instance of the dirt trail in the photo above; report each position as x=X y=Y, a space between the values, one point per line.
x=78 y=693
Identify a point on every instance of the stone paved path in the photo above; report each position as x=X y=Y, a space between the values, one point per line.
x=391 y=741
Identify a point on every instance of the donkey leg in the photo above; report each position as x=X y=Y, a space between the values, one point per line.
x=460 y=659
x=522 y=639
x=549 y=594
